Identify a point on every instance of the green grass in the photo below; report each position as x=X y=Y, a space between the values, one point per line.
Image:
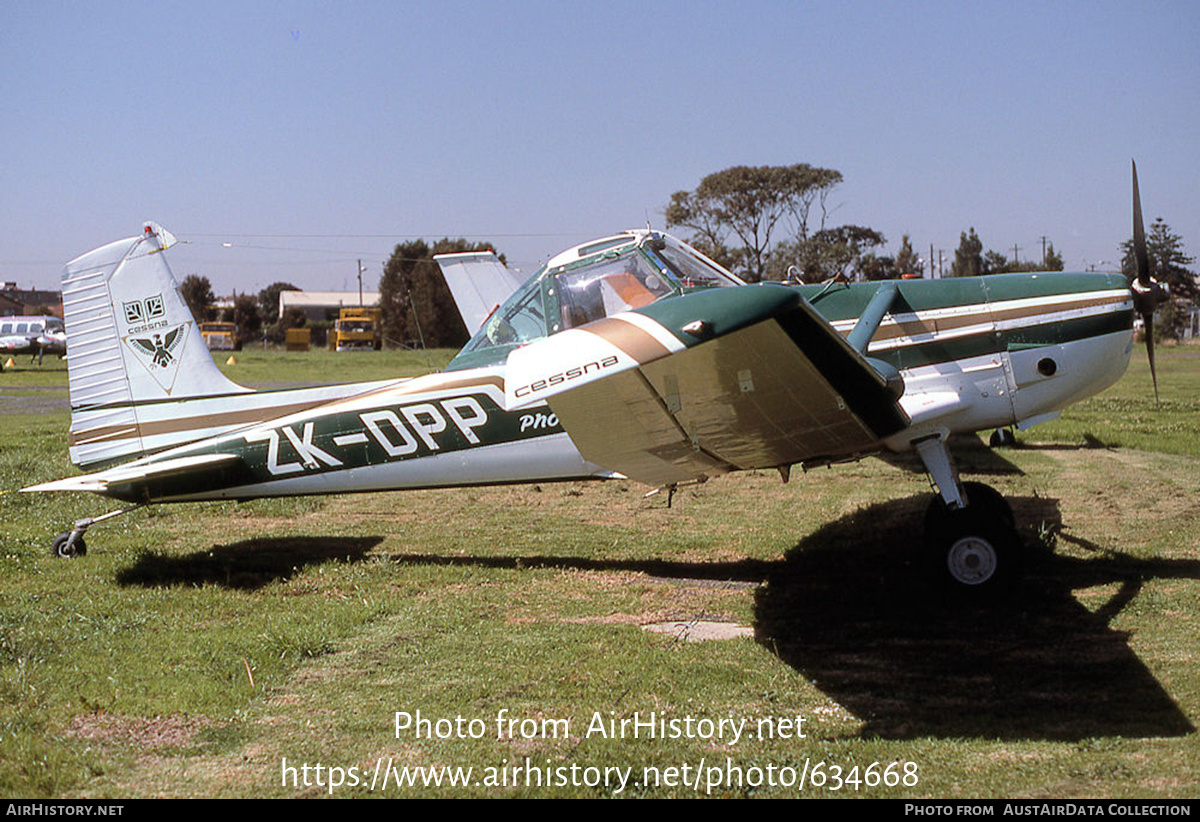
x=197 y=646
x=257 y=366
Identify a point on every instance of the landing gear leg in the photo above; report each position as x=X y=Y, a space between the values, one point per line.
x=975 y=550
x=70 y=544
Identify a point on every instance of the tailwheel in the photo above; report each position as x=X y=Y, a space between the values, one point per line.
x=64 y=547
x=70 y=544
x=1002 y=438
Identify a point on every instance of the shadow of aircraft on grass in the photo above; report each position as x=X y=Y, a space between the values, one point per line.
x=247 y=565
x=851 y=610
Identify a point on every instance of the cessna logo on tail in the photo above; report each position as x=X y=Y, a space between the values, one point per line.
x=139 y=312
x=159 y=353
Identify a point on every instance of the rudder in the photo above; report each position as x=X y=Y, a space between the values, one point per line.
x=132 y=345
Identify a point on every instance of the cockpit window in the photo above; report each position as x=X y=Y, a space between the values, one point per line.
x=521 y=319
x=603 y=278
x=608 y=287
x=694 y=271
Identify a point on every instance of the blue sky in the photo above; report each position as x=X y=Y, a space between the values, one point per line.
x=308 y=135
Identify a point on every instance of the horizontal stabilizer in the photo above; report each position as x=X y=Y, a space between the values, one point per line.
x=136 y=481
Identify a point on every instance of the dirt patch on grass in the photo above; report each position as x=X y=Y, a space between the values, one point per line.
x=33 y=400
x=700 y=631
x=159 y=732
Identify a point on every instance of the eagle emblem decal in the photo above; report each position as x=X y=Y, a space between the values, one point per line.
x=159 y=352
x=160 y=347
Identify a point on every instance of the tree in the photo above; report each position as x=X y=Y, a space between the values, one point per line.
x=268 y=301
x=415 y=301
x=996 y=263
x=835 y=253
x=875 y=267
x=748 y=202
x=1169 y=266
x=907 y=261
x=1168 y=263
x=968 y=257
x=292 y=317
x=247 y=318
x=1053 y=260
x=198 y=294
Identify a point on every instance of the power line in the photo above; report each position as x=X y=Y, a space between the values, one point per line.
x=394 y=236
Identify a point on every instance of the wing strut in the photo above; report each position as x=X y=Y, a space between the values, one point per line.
x=864 y=330
x=860 y=336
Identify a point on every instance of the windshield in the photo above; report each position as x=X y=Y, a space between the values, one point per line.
x=609 y=286
x=589 y=283
x=693 y=270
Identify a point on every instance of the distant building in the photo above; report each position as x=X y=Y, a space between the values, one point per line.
x=324 y=305
x=16 y=302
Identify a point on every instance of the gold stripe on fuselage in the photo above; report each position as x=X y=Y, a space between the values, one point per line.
x=944 y=321
x=252 y=416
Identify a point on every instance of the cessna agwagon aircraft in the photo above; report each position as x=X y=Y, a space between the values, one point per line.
x=633 y=356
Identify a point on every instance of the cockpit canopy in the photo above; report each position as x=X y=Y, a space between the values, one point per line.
x=589 y=282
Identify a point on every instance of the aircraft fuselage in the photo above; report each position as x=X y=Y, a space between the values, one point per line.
x=974 y=354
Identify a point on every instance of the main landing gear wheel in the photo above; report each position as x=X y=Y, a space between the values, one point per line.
x=64 y=548
x=979 y=497
x=975 y=551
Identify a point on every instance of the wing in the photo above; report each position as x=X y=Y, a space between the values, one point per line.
x=145 y=345
x=173 y=339
x=757 y=380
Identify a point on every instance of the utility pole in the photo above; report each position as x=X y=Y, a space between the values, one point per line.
x=1016 y=253
x=1043 y=251
x=360 y=273
x=931 y=276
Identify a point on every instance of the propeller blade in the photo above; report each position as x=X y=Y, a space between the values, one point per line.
x=1140 y=254
x=1147 y=294
x=1148 y=328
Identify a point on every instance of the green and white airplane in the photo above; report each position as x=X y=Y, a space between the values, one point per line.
x=633 y=355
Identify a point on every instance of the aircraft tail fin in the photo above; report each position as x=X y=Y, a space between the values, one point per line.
x=132 y=345
x=479 y=283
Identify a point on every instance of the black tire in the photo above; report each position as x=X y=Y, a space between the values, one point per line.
x=980 y=497
x=977 y=554
x=59 y=547
x=1002 y=437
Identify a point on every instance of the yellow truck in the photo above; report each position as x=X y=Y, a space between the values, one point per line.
x=220 y=336
x=357 y=329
